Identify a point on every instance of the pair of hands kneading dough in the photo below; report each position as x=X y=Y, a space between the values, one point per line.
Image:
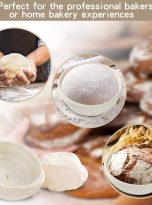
x=15 y=69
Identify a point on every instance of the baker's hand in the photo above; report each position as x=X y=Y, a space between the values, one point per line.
x=4 y=81
x=31 y=75
x=26 y=76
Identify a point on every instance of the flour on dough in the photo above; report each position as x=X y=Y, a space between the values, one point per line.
x=90 y=84
x=14 y=63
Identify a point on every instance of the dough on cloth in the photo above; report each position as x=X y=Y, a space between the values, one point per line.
x=63 y=171
x=13 y=63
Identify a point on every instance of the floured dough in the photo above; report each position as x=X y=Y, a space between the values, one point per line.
x=89 y=84
x=63 y=171
x=14 y=63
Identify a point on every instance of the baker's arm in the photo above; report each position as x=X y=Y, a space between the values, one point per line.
x=1 y=54
x=39 y=56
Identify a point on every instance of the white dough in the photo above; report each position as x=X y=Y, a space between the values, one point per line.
x=117 y=162
x=14 y=63
x=63 y=171
x=90 y=84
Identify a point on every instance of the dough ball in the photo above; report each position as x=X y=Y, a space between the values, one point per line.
x=63 y=171
x=13 y=63
x=90 y=84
